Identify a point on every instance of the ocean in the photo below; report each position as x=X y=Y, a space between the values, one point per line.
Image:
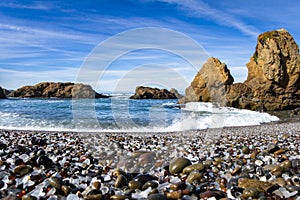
x=121 y=114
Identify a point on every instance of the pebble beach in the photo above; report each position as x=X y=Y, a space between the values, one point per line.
x=254 y=162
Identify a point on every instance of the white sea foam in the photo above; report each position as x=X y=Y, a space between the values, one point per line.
x=193 y=116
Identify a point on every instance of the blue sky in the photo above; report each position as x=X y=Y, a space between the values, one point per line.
x=50 y=40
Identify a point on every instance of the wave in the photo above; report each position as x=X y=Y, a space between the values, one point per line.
x=192 y=116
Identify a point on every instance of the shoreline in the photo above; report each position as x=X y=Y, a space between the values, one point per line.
x=234 y=162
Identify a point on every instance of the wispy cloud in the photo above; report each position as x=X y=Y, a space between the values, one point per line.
x=200 y=9
x=38 y=5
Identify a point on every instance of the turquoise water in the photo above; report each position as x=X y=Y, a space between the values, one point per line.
x=121 y=114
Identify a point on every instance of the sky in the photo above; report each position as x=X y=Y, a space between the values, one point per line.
x=54 y=40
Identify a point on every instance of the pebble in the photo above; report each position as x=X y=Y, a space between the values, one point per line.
x=22 y=169
x=152 y=166
x=55 y=182
x=178 y=165
x=121 y=181
x=135 y=184
x=190 y=168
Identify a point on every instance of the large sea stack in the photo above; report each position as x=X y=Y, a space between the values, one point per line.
x=56 y=90
x=2 y=94
x=273 y=81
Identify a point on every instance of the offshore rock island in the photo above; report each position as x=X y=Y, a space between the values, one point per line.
x=56 y=90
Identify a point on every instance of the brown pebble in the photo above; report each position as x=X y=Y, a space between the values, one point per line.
x=190 y=168
x=235 y=171
x=178 y=165
x=135 y=184
x=118 y=197
x=121 y=181
x=194 y=177
x=177 y=186
x=66 y=190
x=174 y=195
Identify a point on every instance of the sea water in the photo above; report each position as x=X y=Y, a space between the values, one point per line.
x=121 y=114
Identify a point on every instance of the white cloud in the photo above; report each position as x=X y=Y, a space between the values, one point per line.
x=200 y=9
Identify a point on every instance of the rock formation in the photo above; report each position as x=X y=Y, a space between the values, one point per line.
x=273 y=81
x=210 y=83
x=2 y=94
x=56 y=90
x=176 y=93
x=152 y=93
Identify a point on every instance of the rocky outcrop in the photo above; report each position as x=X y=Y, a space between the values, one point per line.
x=210 y=83
x=152 y=93
x=273 y=81
x=56 y=90
x=176 y=93
x=2 y=94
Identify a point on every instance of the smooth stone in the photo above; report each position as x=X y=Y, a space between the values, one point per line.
x=286 y=164
x=121 y=181
x=143 y=178
x=295 y=163
x=178 y=165
x=152 y=184
x=235 y=171
x=28 y=197
x=293 y=188
x=272 y=148
x=279 y=152
x=253 y=183
x=135 y=184
x=118 y=172
x=259 y=163
x=119 y=197
x=44 y=160
x=66 y=190
x=177 y=186
x=296 y=180
x=250 y=192
x=157 y=197
x=207 y=162
x=279 y=181
x=22 y=169
x=190 y=168
x=136 y=154
x=97 y=185
x=194 y=177
x=269 y=167
x=174 y=195
x=245 y=150
x=277 y=171
x=93 y=195
x=55 y=182
x=211 y=194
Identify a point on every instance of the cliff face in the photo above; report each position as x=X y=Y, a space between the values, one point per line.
x=56 y=90
x=273 y=81
x=152 y=93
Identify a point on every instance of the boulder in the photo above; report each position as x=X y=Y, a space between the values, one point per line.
x=152 y=93
x=2 y=93
x=56 y=90
x=273 y=81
